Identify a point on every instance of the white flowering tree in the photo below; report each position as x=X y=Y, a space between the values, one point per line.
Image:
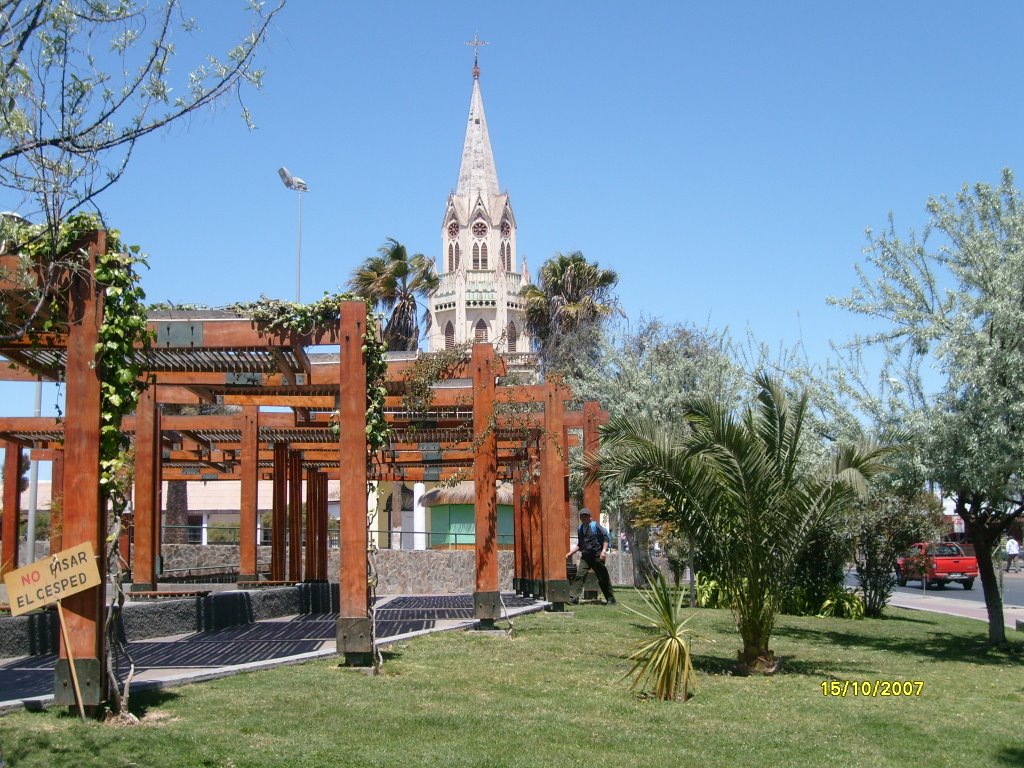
x=952 y=302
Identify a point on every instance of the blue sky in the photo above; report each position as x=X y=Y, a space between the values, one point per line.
x=724 y=158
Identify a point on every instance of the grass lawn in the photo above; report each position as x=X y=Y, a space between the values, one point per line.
x=554 y=696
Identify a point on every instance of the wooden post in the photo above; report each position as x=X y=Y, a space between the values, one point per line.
x=486 y=597
x=312 y=526
x=147 y=498
x=534 y=515
x=519 y=536
x=279 y=516
x=555 y=506
x=84 y=518
x=295 y=515
x=14 y=465
x=249 y=506
x=57 y=503
x=322 y=543
x=355 y=634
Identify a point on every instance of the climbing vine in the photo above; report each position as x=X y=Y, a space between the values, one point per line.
x=120 y=367
x=273 y=316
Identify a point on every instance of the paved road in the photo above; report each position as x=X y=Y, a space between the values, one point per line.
x=1013 y=590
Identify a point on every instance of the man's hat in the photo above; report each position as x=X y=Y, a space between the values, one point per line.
x=586 y=512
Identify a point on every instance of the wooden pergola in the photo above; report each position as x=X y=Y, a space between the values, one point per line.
x=472 y=429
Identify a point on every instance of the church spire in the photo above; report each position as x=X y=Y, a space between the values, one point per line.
x=477 y=174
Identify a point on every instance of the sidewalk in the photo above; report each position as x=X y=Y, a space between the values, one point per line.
x=1012 y=614
x=27 y=681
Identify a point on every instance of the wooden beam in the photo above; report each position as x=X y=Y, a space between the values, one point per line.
x=354 y=632
x=555 y=508
x=294 y=515
x=279 y=526
x=486 y=598
x=84 y=516
x=147 y=497
x=248 y=507
x=14 y=465
x=57 y=503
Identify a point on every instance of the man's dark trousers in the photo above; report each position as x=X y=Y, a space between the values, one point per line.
x=591 y=562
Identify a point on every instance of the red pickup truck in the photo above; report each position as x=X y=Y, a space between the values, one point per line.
x=946 y=562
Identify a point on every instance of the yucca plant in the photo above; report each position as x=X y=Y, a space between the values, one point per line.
x=662 y=662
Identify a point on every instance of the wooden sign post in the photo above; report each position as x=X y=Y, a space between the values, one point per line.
x=48 y=581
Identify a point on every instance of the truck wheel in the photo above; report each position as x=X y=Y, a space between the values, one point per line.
x=968 y=583
x=901 y=579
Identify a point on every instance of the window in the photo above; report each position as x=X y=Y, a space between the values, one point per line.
x=506 y=256
x=451 y=258
x=476 y=256
x=195 y=529
x=458 y=255
x=481 y=331
x=449 y=336
x=479 y=229
x=513 y=337
x=483 y=256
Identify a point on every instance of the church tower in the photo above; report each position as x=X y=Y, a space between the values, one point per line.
x=478 y=296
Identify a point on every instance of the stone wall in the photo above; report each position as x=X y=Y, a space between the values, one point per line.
x=399 y=571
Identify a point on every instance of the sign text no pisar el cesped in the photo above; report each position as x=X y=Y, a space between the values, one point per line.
x=51 y=579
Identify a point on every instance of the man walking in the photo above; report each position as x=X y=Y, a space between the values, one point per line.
x=1012 y=553
x=592 y=543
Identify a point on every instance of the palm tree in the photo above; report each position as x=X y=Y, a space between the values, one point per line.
x=744 y=485
x=394 y=282
x=565 y=306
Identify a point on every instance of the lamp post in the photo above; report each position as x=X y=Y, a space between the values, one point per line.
x=300 y=186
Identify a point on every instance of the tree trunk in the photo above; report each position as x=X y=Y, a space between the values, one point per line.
x=756 y=658
x=984 y=540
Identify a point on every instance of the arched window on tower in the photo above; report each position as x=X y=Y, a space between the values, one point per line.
x=451 y=257
x=449 y=335
x=506 y=255
x=481 y=331
x=483 y=256
x=476 y=255
x=458 y=255
x=513 y=337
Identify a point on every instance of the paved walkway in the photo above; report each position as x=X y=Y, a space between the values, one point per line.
x=167 y=661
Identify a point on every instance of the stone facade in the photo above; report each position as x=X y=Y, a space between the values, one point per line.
x=399 y=571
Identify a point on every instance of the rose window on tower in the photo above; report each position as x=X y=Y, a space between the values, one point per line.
x=506 y=229
x=453 y=230
x=479 y=229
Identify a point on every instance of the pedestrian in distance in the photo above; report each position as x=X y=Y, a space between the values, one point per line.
x=592 y=543
x=1012 y=553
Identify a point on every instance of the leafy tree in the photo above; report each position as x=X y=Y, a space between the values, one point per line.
x=953 y=302
x=886 y=523
x=81 y=82
x=653 y=369
x=742 y=484
x=395 y=281
x=565 y=309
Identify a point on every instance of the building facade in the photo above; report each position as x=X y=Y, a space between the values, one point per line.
x=481 y=275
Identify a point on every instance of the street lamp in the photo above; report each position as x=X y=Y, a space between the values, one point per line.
x=294 y=182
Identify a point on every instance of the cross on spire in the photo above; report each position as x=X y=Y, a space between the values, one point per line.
x=476 y=42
